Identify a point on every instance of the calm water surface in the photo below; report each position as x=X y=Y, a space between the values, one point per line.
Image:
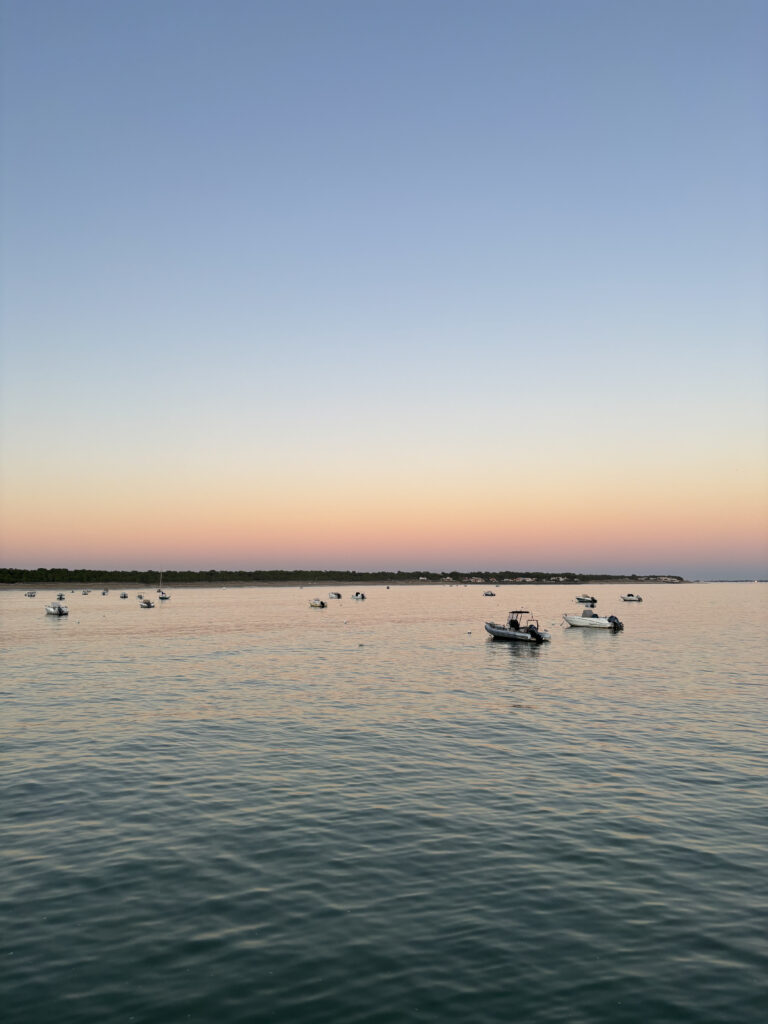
x=235 y=808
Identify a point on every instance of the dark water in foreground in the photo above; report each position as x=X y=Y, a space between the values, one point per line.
x=235 y=808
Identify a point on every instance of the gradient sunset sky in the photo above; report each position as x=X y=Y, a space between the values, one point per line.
x=385 y=284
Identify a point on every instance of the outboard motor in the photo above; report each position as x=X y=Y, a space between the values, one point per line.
x=617 y=626
x=536 y=634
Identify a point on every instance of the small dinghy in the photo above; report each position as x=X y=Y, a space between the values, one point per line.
x=594 y=621
x=335 y=595
x=164 y=596
x=317 y=602
x=631 y=597
x=516 y=629
x=56 y=608
x=488 y=593
x=358 y=596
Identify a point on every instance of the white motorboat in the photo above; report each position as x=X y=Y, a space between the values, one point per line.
x=317 y=602
x=631 y=597
x=59 y=597
x=516 y=629
x=30 y=593
x=488 y=593
x=358 y=596
x=123 y=594
x=146 y=603
x=56 y=608
x=334 y=595
x=594 y=621
x=163 y=596
x=586 y=599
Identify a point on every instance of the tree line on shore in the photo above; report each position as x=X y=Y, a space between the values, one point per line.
x=174 y=576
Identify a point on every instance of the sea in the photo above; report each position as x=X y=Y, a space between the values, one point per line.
x=235 y=808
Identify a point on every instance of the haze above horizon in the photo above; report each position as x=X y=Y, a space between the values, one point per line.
x=385 y=285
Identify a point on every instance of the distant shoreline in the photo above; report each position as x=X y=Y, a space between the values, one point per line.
x=240 y=584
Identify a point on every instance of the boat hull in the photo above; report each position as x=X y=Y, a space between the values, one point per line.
x=503 y=633
x=593 y=623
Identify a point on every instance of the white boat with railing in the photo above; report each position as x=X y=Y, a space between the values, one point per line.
x=358 y=596
x=586 y=599
x=317 y=602
x=631 y=597
x=56 y=608
x=516 y=629
x=146 y=603
x=592 y=620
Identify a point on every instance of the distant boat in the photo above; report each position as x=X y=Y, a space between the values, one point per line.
x=335 y=595
x=488 y=593
x=594 y=621
x=123 y=594
x=59 y=597
x=54 y=608
x=516 y=629
x=317 y=602
x=358 y=596
x=104 y=593
x=31 y=593
x=164 y=596
x=146 y=603
x=631 y=597
x=586 y=599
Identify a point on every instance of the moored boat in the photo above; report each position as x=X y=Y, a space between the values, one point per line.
x=594 y=621
x=358 y=596
x=317 y=602
x=586 y=599
x=334 y=595
x=123 y=594
x=516 y=629
x=146 y=603
x=488 y=593
x=56 y=608
x=631 y=597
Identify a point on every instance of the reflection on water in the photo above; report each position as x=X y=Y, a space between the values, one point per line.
x=235 y=807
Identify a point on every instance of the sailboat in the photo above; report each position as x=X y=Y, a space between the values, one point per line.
x=162 y=594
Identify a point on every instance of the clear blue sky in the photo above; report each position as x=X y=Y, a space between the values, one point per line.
x=236 y=230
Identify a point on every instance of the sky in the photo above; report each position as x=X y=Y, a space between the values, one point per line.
x=378 y=284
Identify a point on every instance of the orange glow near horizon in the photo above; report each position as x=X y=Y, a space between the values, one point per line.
x=401 y=520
